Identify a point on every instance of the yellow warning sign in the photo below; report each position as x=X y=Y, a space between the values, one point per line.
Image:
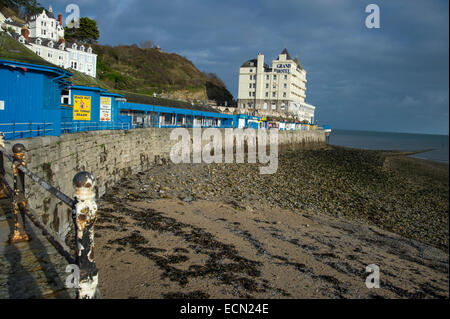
x=81 y=108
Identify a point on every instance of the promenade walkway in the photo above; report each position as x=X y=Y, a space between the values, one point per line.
x=30 y=269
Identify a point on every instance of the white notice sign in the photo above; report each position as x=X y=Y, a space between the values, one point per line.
x=105 y=109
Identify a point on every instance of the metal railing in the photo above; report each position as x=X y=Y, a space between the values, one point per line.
x=15 y=130
x=74 y=127
x=83 y=207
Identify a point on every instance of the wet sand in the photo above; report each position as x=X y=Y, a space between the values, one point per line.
x=206 y=232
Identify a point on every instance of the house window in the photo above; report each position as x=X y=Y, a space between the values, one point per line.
x=73 y=65
x=267 y=94
x=250 y=94
x=285 y=85
x=274 y=76
x=273 y=94
x=250 y=85
x=254 y=85
x=267 y=85
x=267 y=77
x=284 y=94
x=285 y=77
x=253 y=93
x=251 y=77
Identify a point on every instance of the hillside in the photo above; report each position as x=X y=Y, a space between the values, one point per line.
x=149 y=71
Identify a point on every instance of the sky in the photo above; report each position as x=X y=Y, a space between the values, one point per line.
x=394 y=78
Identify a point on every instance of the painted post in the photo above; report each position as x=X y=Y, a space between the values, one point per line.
x=19 y=200
x=2 y=167
x=85 y=215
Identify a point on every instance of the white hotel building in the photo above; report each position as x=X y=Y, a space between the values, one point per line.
x=277 y=90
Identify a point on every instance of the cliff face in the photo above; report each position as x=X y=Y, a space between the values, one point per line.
x=149 y=71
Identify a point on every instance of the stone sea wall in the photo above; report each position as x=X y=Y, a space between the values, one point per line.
x=109 y=156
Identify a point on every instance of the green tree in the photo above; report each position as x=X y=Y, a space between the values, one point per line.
x=86 y=33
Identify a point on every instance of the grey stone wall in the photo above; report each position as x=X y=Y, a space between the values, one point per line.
x=109 y=156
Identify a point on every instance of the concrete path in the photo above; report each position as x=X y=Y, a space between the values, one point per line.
x=31 y=269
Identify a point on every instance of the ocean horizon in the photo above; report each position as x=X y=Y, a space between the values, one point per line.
x=373 y=140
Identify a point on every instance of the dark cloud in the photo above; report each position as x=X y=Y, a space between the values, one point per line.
x=392 y=79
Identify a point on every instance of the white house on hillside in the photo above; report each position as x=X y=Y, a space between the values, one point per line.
x=45 y=26
x=44 y=35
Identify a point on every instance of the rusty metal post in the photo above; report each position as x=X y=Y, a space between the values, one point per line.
x=19 y=200
x=84 y=213
x=2 y=167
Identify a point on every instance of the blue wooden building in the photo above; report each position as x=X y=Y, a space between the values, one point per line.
x=30 y=97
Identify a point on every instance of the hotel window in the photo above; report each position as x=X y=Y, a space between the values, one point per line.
x=253 y=93
x=265 y=105
x=284 y=94
x=274 y=76
x=285 y=85
x=274 y=85
x=267 y=85
x=251 y=70
x=250 y=94
x=273 y=94
x=285 y=77
x=251 y=77
x=267 y=94
x=267 y=77
x=249 y=85
x=254 y=85
x=274 y=107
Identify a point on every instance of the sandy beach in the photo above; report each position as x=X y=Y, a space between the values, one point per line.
x=308 y=231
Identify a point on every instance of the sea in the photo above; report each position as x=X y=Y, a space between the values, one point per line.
x=395 y=141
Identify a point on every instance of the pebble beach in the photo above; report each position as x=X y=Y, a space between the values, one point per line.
x=225 y=231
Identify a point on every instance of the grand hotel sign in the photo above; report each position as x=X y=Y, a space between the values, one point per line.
x=283 y=68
